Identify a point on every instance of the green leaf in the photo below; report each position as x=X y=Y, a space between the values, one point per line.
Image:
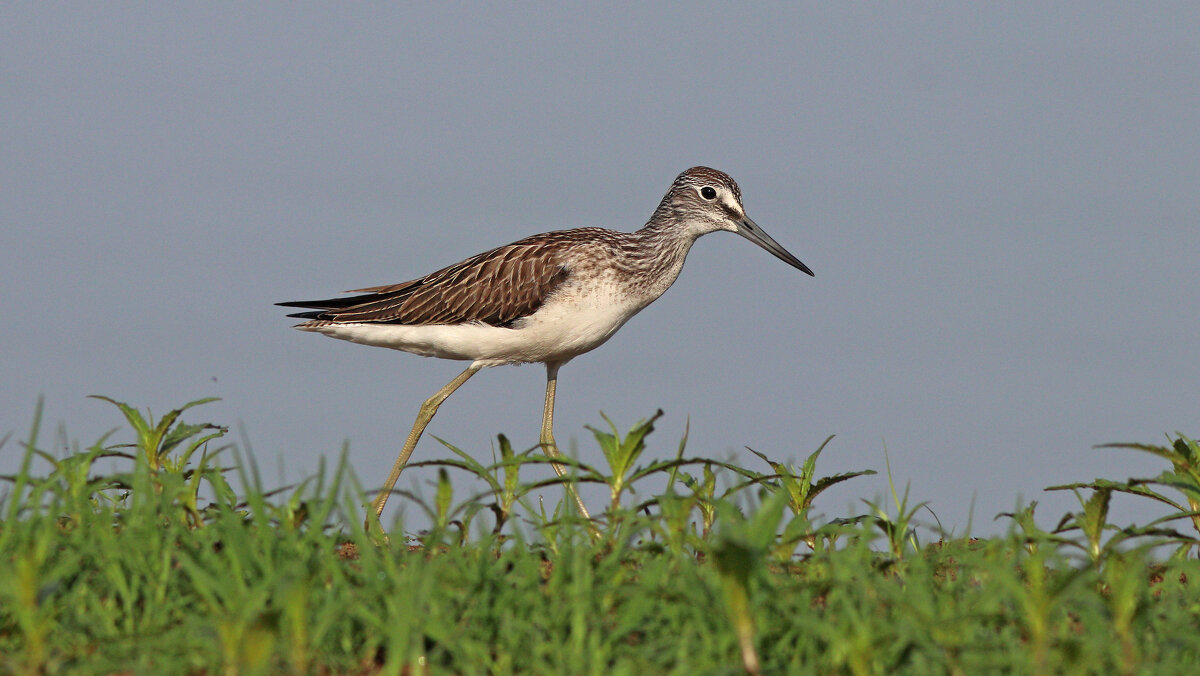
x=444 y=498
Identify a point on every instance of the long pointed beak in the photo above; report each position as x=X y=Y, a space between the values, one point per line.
x=750 y=230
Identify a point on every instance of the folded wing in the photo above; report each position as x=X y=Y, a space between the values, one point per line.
x=497 y=287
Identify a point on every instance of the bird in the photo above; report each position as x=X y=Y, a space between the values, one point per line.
x=544 y=299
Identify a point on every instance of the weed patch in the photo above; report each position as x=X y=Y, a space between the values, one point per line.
x=165 y=567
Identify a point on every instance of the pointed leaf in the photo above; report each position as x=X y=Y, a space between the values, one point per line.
x=132 y=415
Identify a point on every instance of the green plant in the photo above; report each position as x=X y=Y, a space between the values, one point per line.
x=899 y=530
x=740 y=554
x=167 y=446
x=1184 y=476
x=802 y=487
x=698 y=576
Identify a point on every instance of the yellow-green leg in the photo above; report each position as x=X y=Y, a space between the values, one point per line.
x=429 y=408
x=547 y=438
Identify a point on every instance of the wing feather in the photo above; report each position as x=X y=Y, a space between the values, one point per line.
x=496 y=287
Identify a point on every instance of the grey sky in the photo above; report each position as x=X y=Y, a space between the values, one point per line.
x=1001 y=206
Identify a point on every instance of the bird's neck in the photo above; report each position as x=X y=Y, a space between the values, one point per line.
x=657 y=254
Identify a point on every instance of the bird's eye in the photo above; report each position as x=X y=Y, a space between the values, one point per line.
x=708 y=193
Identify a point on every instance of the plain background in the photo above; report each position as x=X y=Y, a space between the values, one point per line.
x=1000 y=203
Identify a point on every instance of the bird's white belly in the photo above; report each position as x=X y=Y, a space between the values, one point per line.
x=568 y=325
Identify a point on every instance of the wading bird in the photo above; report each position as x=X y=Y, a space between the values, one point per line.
x=544 y=299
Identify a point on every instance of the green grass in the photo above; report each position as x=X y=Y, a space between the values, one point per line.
x=166 y=568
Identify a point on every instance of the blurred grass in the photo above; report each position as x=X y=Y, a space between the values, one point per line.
x=165 y=568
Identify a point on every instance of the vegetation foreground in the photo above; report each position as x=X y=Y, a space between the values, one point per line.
x=165 y=569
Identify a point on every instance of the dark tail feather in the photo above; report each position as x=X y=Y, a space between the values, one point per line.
x=321 y=308
x=328 y=304
x=317 y=314
x=360 y=305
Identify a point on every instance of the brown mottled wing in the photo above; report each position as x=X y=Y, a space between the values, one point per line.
x=497 y=287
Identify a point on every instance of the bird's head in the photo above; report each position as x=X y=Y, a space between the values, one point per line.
x=705 y=200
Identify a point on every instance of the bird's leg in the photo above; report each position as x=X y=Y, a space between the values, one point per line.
x=547 y=439
x=429 y=408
